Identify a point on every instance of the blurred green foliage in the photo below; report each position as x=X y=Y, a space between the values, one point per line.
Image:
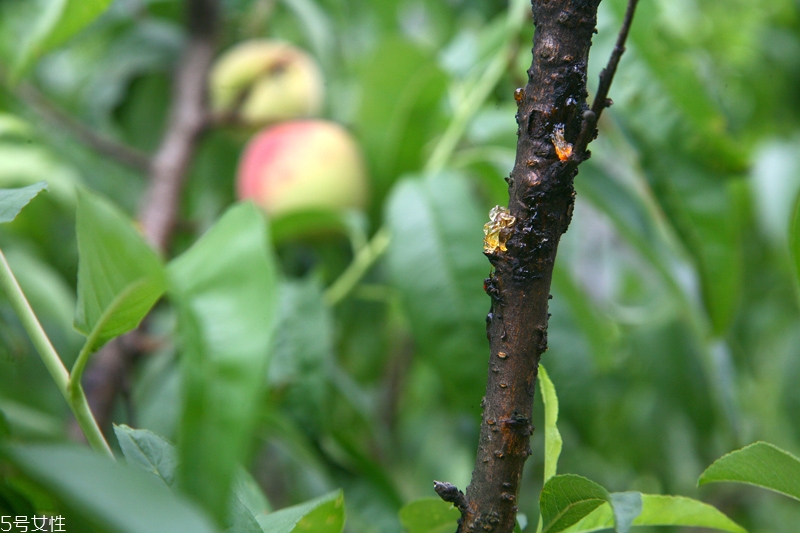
x=675 y=322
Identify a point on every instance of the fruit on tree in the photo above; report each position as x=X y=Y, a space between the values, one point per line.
x=260 y=82
x=303 y=164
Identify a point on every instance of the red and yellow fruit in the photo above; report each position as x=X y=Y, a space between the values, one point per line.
x=261 y=82
x=305 y=164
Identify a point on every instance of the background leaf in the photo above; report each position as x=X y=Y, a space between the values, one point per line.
x=300 y=369
x=430 y=515
x=552 y=437
x=761 y=464
x=12 y=201
x=119 y=276
x=398 y=112
x=321 y=515
x=154 y=454
x=568 y=498
x=59 y=21
x=435 y=261
x=658 y=510
x=120 y=497
x=794 y=241
x=148 y=450
x=224 y=290
x=627 y=507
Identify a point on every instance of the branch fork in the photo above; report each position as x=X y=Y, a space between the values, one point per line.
x=551 y=108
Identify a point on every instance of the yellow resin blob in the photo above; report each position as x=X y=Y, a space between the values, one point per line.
x=497 y=230
x=563 y=148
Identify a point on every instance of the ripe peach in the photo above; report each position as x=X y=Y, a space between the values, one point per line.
x=300 y=165
x=265 y=81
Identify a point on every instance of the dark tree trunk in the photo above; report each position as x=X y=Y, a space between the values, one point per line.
x=521 y=244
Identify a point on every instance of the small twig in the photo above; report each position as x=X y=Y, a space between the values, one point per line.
x=449 y=493
x=115 y=150
x=601 y=100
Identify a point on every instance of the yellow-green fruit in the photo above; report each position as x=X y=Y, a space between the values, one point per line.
x=303 y=164
x=263 y=81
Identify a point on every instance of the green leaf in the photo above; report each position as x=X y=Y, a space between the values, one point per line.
x=435 y=261
x=27 y=164
x=14 y=502
x=635 y=215
x=13 y=200
x=670 y=77
x=429 y=515
x=317 y=26
x=552 y=437
x=119 y=276
x=761 y=464
x=706 y=211
x=568 y=498
x=60 y=20
x=300 y=370
x=5 y=429
x=12 y=126
x=120 y=497
x=148 y=450
x=247 y=491
x=627 y=507
x=30 y=423
x=224 y=290
x=155 y=454
x=321 y=515
x=599 y=331
x=794 y=240
x=659 y=510
x=400 y=109
x=308 y=223
x=241 y=519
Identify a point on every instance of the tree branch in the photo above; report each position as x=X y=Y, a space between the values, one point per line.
x=103 y=145
x=188 y=118
x=521 y=245
x=601 y=100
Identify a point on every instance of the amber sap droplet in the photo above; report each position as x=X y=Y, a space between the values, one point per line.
x=563 y=148
x=519 y=94
x=497 y=230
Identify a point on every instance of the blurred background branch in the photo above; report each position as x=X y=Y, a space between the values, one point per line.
x=107 y=375
x=104 y=145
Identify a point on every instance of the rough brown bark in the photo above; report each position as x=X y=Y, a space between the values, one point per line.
x=552 y=111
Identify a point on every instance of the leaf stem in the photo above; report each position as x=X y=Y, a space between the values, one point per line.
x=32 y=326
x=363 y=260
x=479 y=93
x=72 y=393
